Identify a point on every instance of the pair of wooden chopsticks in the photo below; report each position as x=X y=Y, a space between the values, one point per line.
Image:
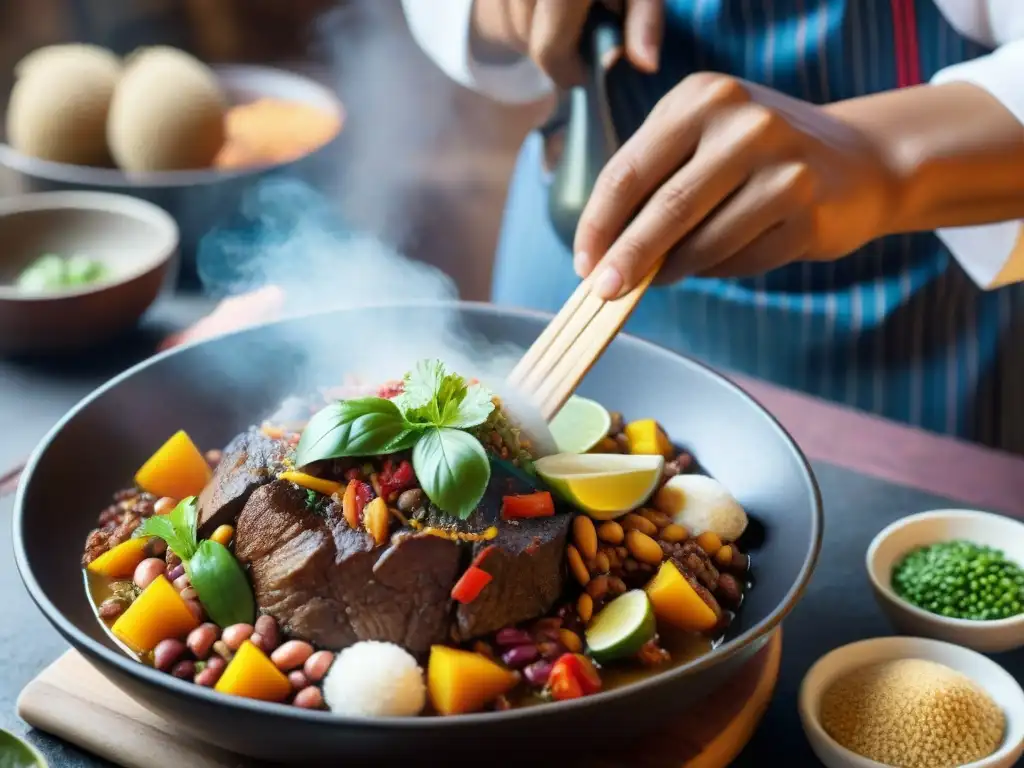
x=567 y=349
x=9 y=479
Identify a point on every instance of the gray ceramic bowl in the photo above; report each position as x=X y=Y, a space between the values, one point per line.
x=217 y=388
x=202 y=199
x=136 y=242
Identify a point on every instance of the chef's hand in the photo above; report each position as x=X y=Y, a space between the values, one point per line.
x=548 y=31
x=731 y=179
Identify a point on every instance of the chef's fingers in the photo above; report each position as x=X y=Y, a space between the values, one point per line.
x=645 y=23
x=555 y=39
x=788 y=242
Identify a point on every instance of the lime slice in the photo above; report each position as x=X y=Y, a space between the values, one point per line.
x=604 y=485
x=580 y=425
x=622 y=627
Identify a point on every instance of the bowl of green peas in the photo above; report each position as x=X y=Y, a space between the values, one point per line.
x=952 y=574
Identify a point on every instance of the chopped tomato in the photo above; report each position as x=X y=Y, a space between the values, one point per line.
x=354 y=473
x=470 y=585
x=357 y=495
x=539 y=504
x=395 y=480
x=572 y=676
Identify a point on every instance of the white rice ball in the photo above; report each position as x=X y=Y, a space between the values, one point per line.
x=375 y=679
x=699 y=504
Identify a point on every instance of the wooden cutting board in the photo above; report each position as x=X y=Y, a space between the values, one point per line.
x=72 y=700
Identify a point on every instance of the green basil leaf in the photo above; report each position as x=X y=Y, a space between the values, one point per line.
x=473 y=408
x=421 y=386
x=221 y=584
x=160 y=527
x=369 y=426
x=405 y=439
x=452 y=469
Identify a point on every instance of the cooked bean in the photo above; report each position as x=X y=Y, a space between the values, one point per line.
x=410 y=501
x=147 y=571
x=618 y=423
x=182 y=582
x=236 y=634
x=545 y=633
x=520 y=656
x=584 y=534
x=740 y=561
x=660 y=519
x=208 y=677
x=709 y=542
x=196 y=608
x=217 y=663
x=673 y=533
x=579 y=570
x=112 y=607
x=483 y=649
x=549 y=622
x=643 y=547
x=630 y=566
x=602 y=563
x=622 y=442
x=260 y=642
x=730 y=591
x=184 y=670
x=175 y=573
x=598 y=587
x=164 y=505
x=537 y=674
x=172 y=560
x=298 y=680
x=611 y=532
x=571 y=641
x=316 y=666
x=724 y=556
x=166 y=653
x=213 y=456
x=585 y=607
x=616 y=586
x=221 y=649
x=309 y=698
x=550 y=649
x=510 y=636
x=156 y=548
x=201 y=639
x=622 y=552
x=188 y=593
x=613 y=559
x=291 y=655
x=223 y=534
x=634 y=522
x=266 y=627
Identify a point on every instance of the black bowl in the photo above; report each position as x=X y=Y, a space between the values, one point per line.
x=217 y=388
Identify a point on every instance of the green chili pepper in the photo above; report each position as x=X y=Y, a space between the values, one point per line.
x=221 y=584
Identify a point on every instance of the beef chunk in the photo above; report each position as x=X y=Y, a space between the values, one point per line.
x=249 y=461
x=327 y=584
x=527 y=566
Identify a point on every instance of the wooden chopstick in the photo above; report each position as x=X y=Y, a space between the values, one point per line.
x=573 y=341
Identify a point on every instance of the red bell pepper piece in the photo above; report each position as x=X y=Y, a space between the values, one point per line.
x=539 y=504
x=395 y=480
x=479 y=559
x=470 y=585
x=572 y=676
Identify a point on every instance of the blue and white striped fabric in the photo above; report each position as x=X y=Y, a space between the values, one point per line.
x=897 y=329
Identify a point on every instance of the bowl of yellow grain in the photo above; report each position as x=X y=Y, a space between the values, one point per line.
x=914 y=703
x=162 y=126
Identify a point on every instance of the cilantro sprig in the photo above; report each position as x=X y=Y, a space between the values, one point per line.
x=430 y=417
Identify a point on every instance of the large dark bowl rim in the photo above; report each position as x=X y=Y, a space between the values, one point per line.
x=146 y=674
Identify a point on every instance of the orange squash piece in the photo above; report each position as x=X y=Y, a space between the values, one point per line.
x=157 y=614
x=177 y=469
x=647 y=438
x=119 y=562
x=254 y=676
x=463 y=681
x=677 y=603
x=301 y=479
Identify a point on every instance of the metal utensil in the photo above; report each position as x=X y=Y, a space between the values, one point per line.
x=591 y=133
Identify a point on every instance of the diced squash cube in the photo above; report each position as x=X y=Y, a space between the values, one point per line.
x=177 y=469
x=157 y=614
x=252 y=675
x=648 y=439
x=463 y=681
x=119 y=562
x=677 y=603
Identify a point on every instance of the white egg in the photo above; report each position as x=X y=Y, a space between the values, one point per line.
x=699 y=504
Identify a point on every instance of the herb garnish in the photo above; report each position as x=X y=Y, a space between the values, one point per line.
x=315 y=502
x=430 y=417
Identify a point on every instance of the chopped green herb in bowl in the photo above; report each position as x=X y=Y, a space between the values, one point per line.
x=54 y=273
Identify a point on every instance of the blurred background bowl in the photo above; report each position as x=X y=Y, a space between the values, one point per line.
x=135 y=240
x=198 y=200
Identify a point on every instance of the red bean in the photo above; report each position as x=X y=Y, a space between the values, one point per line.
x=298 y=680
x=208 y=677
x=550 y=650
x=156 y=548
x=181 y=583
x=111 y=608
x=189 y=594
x=217 y=663
x=147 y=571
x=316 y=666
x=164 y=505
x=201 y=639
x=166 y=653
x=291 y=655
x=266 y=627
x=537 y=674
x=257 y=639
x=184 y=670
x=235 y=635
x=520 y=656
x=511 y=636
x=196 y=608
x=175 y=573
x=309 y=698
x=221 y=649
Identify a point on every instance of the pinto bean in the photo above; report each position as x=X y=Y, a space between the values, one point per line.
x=291 y=655
x=410 y=501
x=309 y=698
x=201 y=639
x=235 y=635
x=164 y=505
x=147 y=571
x=166 y=653
x=298 y=680
x=266 y=626
x=182 y=582
x=111 y=608
x=316 y=666
x=584 y=535
x=184 y=670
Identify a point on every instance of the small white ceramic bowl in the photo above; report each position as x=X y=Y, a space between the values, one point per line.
x=996 y=681
x=926 y=528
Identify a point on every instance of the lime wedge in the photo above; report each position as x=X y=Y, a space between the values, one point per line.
x=622 y=627
x=580 y=425
x=604 y=485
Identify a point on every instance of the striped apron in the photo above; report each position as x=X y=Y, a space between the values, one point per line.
x=897 y=328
